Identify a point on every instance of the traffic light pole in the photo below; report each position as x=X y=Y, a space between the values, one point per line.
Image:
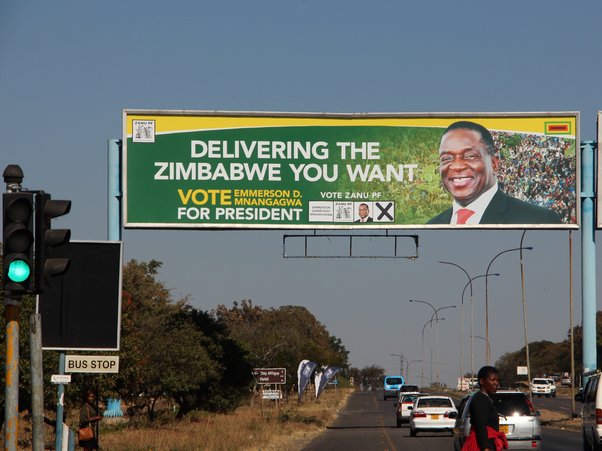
x=20 y=234
x=11 y=390
x=13 y=177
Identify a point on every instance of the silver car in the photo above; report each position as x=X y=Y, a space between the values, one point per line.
x=518 y=420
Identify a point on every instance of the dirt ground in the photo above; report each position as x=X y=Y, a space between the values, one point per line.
x=559 y=421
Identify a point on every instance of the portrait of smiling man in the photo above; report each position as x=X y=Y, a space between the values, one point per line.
x=468 y=165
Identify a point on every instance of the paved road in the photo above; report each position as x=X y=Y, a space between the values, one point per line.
x=368 y=424
x=563 y=405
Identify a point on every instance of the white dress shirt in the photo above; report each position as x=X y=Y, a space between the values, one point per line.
x=478 y=206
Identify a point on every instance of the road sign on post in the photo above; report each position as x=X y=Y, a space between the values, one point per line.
x=92 y=364
x=270 y=375
x=272 y=394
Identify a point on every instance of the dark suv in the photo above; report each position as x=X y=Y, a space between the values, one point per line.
x=518 y=420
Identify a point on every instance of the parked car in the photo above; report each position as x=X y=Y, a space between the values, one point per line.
x=391 y=386
x=541 y=387
x=402 y=413
x=518 y=420
x=591 y=418
x=565 y=380
x=432 y=413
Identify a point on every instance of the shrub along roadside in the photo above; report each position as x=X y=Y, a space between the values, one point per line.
x=247 y=428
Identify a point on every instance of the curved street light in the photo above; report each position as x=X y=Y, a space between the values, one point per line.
x=488 y=351
x=485 y=340
x=435 y=314
x=472 y=320
x=461 y=315
x=430 y=321
x=401 y=357
x=408 y=366
x=522 y=284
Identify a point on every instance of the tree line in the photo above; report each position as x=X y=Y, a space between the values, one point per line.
x=546 y=357
x=174 y=357
x=177 y=358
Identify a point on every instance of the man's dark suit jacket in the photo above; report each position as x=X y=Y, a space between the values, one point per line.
x=504 y=209
x=368 y=219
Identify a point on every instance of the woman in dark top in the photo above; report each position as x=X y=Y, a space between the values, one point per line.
x=89 y=416
x=484 y=419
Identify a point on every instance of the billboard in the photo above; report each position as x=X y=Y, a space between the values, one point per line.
x=202 y=169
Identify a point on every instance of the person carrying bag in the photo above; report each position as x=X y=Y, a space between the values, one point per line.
x=88 y=422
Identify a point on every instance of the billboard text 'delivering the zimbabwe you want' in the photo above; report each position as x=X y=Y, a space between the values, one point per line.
x=189 y=169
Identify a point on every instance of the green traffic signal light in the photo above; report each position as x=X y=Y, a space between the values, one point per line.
x=17 y=242
x=18 y=271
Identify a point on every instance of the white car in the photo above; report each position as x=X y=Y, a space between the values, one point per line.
x=432 y=413
x=552 y=383
x=406 y=400
x=541 y=387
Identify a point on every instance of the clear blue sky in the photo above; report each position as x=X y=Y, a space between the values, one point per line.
x=69 y=68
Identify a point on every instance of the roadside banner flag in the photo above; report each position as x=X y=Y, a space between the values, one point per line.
x=317 y=379
x=325 y=377
x=299 y=370
x=306 y=371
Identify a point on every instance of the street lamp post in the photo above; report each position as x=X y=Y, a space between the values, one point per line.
x=430 y=321
x=486 y=342
x=461 y=315
x=522 y=284
x=435 y=314
x=472 y=320
x=408 y=367
x=488 y=351
x=400 y=362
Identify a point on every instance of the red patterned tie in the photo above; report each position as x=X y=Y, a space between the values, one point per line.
x=463 y=215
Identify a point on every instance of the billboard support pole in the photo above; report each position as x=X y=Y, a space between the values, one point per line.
x=588 y=256
x=114 y=190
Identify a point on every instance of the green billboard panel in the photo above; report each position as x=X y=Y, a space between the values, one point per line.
x=342 y=171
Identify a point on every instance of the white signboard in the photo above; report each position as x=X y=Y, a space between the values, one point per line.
x=92 y=364
x=522 y=371
x=272 y=394
x=60 y=378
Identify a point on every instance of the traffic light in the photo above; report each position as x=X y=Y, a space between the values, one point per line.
x=47 y=264
x=17 y=242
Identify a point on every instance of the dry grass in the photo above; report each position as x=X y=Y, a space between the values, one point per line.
x=249 y=428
